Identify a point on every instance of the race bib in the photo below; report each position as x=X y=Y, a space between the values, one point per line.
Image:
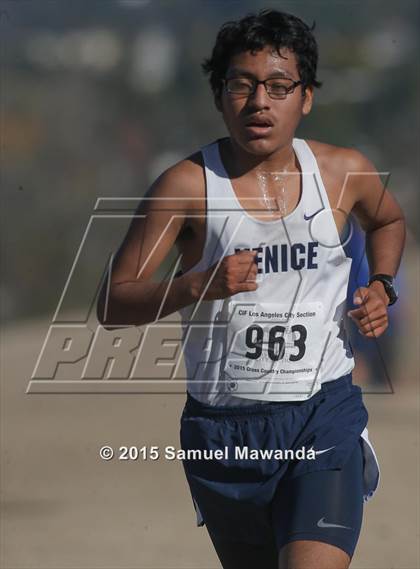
x=274 y=350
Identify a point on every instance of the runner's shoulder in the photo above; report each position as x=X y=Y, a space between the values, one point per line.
x=183 y=181
x=338 y=161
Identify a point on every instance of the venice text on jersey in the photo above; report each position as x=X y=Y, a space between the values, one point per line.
x=284 y=257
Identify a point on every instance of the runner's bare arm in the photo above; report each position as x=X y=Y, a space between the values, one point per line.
x=380 y=217
x=129 y=295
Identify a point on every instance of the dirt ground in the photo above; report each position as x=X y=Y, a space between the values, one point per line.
x=64 y=507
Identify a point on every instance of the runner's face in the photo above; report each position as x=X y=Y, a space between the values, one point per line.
x=284 y=114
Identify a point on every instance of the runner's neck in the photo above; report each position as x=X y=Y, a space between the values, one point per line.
x=239 y=162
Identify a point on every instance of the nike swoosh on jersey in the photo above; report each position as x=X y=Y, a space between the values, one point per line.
x=308 y=217
x=323 y=524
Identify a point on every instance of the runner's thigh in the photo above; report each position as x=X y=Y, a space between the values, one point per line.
x=239 y=555
x=325 y=506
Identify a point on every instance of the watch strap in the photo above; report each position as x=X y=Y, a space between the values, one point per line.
x=388 y=282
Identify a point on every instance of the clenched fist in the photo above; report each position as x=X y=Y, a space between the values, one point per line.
x=230 y=275
x=372 y=315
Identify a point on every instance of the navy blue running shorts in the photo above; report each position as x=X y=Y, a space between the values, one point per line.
x=283 y=470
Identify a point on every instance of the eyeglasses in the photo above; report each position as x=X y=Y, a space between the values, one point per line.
x=277 y=88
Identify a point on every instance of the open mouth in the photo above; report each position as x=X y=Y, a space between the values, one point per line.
x=259 y=123
x=259 y=128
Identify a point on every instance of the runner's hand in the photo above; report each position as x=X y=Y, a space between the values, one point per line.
x=372 y=315
x=233 y=274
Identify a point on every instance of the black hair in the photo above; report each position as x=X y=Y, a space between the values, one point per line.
x=254 y=32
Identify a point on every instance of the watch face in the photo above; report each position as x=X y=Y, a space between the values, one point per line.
x=390 y=290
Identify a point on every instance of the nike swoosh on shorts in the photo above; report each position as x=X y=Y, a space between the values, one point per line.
x=322 y=451
x=323 y=524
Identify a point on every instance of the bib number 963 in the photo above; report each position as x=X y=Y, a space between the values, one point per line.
x=275 y=342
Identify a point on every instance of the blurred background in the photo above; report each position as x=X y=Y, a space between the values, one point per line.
x=97 y=99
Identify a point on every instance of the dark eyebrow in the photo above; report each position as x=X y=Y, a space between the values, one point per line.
x=244 y=73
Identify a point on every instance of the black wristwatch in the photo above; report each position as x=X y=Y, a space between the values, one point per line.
x=388 y=282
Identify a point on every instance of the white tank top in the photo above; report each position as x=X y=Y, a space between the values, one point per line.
x=282 y=341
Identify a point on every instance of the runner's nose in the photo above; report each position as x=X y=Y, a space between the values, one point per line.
x=260 y=99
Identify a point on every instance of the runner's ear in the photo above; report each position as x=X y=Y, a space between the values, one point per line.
x=307 y=100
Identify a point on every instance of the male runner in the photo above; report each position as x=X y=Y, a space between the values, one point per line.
x=257 y=217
